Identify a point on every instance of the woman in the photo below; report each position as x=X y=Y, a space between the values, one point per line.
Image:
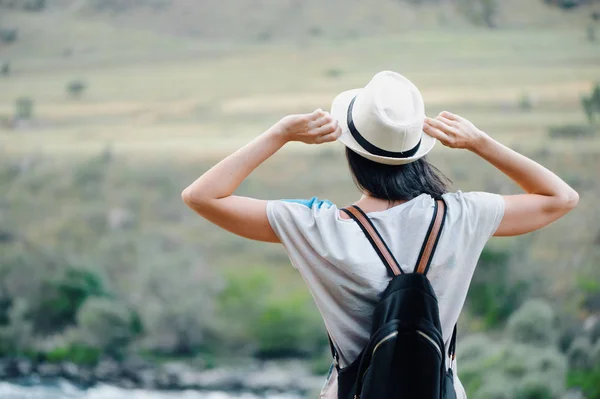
x=387 y=136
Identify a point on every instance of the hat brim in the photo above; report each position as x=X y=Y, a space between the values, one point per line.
x=339 y=111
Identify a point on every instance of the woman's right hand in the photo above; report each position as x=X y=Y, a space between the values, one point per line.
x=453 y=131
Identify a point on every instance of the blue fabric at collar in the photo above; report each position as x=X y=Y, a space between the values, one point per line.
x=310 y=203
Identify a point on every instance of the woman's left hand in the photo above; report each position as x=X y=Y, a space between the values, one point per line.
x=315 y=128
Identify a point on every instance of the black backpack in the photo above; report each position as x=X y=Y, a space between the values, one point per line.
x=405 y=357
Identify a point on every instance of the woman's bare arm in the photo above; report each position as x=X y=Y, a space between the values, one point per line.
x=211 y=195
x=547 y=196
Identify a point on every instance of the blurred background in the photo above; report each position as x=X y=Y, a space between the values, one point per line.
x=111 y=288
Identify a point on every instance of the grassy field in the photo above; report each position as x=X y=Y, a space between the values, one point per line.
x=199 y=101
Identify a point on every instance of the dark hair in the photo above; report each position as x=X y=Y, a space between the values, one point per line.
x=396 y=182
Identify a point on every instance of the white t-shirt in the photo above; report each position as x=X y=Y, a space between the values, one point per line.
x=346 y=277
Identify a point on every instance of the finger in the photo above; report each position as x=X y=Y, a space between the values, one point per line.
x=326 y=129
x=317 y=113
x=435 y=133
x=451 y=116
x=323 y=120
x=438 y=125
x=326 y=138
x=446 y=121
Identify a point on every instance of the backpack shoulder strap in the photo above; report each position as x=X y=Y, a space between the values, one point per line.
x=452 y=347
x=432 y=238
x=375 y=239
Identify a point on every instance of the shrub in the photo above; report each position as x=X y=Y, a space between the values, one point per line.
x=8 y=35
x=594 y=332
x=320 y=365
x=591 y=33
x=586 y=380
x=34 y=5
x=315 y=31
x=76 y=353
x=290 y=326
x=17 y=336
x=334 y=73
x=24 y=108
x=565 y=4
x=579 y=354
x=76 y=88
x=525 y=102
x=178 y=308
x=59 y=299
x=5 y=305
x=519 y=360
x=475 y=347
x=493 y=294
x=511 y=364
x=535 y=386
x=480 y=12
x=591 y=104
x=240 y=304
x=5 y=68
x=595 y=355
x=107 y=325
x=496 y=386
x=534 y=324
x=571 y=131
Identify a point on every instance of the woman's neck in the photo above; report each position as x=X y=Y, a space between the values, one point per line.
x=371 y=204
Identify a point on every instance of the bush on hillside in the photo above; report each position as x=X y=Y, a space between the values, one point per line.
x=76 y=88
x=494 y=387
x=8 y=35
x=571 y=131
x=290 y=326
x=178 y=309
x=588 y=381
x=17 y=336
x=591 y=103
x=240 y=305
x=475 y=347
x=535 y=386
x=595 y=354
x=494 y=294
x=24 y=108
x=521 y=367
x=27 y=5
x=534 y=323
x=108 y=325
x=480 y=12
x=5 y=68
x=580 y=354
x=334 y=73
x=34 y=5
x=75 y=352
x=566 y=4
x=59 y=299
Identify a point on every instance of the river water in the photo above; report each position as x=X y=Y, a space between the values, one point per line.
x=61 y=389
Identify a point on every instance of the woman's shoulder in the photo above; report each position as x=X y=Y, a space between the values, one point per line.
x=469 y=199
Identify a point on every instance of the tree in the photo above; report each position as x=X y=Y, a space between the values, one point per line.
x=5 y=68
x=481 y=12
x=76 y=88
x=24 y=108
x=591 y=104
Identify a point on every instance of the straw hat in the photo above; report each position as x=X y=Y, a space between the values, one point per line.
x=384 y=120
